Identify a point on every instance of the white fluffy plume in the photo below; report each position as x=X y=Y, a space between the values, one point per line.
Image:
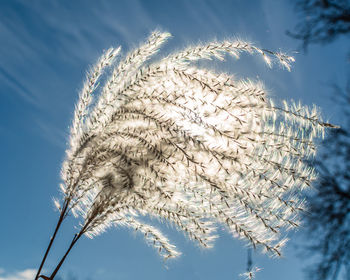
x=188 y=145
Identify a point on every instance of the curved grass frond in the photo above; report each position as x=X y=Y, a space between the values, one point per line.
x=190 y=146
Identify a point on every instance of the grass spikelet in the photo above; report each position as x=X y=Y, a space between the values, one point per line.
x=187 y=145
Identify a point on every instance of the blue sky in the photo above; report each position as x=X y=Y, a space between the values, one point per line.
x=45 y=50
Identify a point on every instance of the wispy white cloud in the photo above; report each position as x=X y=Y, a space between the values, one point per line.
x=42 y=43
x=26 y=274
x=52 y=133
x=16 y=85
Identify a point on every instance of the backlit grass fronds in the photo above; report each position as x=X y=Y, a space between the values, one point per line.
x=187 y=145
x=250 y=275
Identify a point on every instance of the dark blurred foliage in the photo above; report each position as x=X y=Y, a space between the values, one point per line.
x=328 y=221
x=321 y=21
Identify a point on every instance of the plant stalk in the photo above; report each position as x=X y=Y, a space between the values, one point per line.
x=60 y=220
x=75 y=239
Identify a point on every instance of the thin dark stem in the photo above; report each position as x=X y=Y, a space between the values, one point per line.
x=249 y=260
x=75 y=239
x=60 y=220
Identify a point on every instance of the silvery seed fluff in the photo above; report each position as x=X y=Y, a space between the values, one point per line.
x=187 y=145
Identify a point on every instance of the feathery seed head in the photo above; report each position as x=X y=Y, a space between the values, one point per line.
x=187 y=145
